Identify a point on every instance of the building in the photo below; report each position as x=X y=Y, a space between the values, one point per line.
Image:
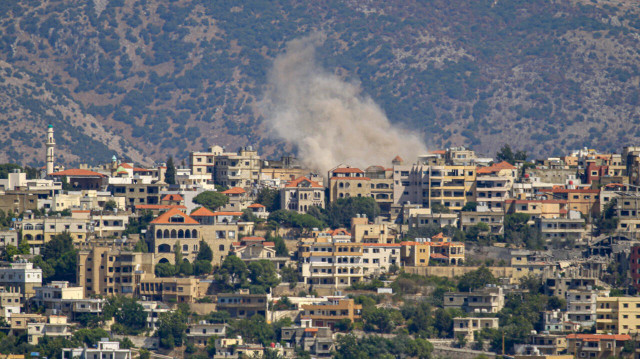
x=315 y=340
x=543 y=344
x=108 y=270
x=8 y=237
x=141 y=190
x=628 y=212
x=241 y=169
x=331 y=311
x=617 y=315
x=362 y=231
x=585 y=201
x=199 y=333
x=324 y=261
x=345 y=182
x=599 y=346
x=56 y=326
x=562 y=229
x=581 y=307
x=486 y=300
x=493 y=184
x=467 y=326
x=378 y=257
x=81 y=179
x=38 y=231
x=21 y=277
x=104 y=349
x=251 y=249
x=493 y=219
x=538 y=208
x=244 y=305
x=169 y=289
x=301 y=194
x=154 y=310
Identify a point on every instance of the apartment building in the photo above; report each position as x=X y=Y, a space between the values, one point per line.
x=244 y=305
x=251 y=249
x=198 y=334
x=21 y=277
x=315 y=340
x=617 y=315
x=203 y=163
x=137 y=190
x=468 y=326
x=538 y=208
x=492 y=218
x=241 y=169
x=415 y=254
x=561 y=228
x=56 y=326
x=107 y=270
x=581 y=307
x=628 y=212
x=168 y=289
x=423 y=219
x=381 y=184
x=543 y=344
x=153 y=309
x=585 y=201
x=485 y=300
x=362 y=231
x=301 y=194
x=324 y=261
x=331 y=311
x=8 y=237
x=37 y=231
x=378 y=257
x=493 y=184
x=598 y=346
x=104 y=349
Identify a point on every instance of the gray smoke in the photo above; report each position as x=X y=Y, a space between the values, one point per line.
x=330 y=120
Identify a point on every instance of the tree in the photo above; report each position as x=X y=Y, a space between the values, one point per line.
x=170 y=174
x=8 y=252
x=470 y=207
x=110 y=205
x=263 y=274
x=507 y=154
x=171 y=329
x=607 y=223
x=270 y=198
x=165 y=270
x=211 y=200
x=476 y=279
x=233 y=271
x=141 y=246
x=58 y=259
x=439 y=208
x=340 y=212
x=177 y=253
x=186 y=268
x=202 y=267
x=289 y=274
x=130 y=317
x=204 y=252
x=23 y=247
x=280 y=246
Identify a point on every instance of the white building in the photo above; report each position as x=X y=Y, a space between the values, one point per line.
x=104 y=350
x=22 y=277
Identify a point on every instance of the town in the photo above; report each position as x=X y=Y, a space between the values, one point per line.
x=232 y=255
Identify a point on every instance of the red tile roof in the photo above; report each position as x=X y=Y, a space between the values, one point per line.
x=165 y=218
x=350 y=178
x=438 y=152
x=577 y=190
x=234 y=190
x=138 y=169
x=398 y=159
x=302 y=179
x=159 y=206
x=126 y=165
x=202 y=212
x=259 y=239
x=227 y=213
x=339 y=232
x=496 y=167
x=382 y=244
x=438 y=256
x=77 y=173
x=173 y=197
x=256 y=205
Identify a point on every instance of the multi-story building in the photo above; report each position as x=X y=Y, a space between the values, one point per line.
x=199 y=333
x=598 y=346
x=469 y=325
x=486 y=300
x=38 y=231
x=137 y=191
x=422 y=219
x=328 y=262
x=345 y=182
x=493 y=184
x=301 y=194
x=218 y=229
x=56 y=326
x=492 y=218
x=378 y=257
x=169 y=289
x=203 y=163
x=381 y=184
x=538 y=208
x=581 y=306
x=618 y=315
x=106 y=270
x=628 y=213
x=251 y=249
x=331 y=311
x=364 y=231
x=153 y=310
x=8 y=237
x=241 y=169
x=244 y=305
x=21 y=277
x=415 y=254
x=561 y=228
x=104 y=349
x=315 y=340
x=543 y=344
x=585 y=201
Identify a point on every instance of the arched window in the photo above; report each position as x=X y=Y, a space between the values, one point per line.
x=187 y=234
x=163 y=260
x=164 y=248
x=180 y=233
x=174 y=234
x=166 y=234
x=159 y=233
x=194 y=233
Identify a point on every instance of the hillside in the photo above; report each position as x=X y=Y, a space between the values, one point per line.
x=149 y=78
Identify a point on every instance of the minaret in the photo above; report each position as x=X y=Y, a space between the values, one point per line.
x=51 y=145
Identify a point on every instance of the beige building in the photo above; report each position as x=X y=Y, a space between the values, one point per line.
x=330 y=263
x=598 y=346
x=493 y=184
x=378 y=257
x=494 y=219
x=243 y=304
x=364 y=232
x=228 y=169
x=38 y=231
x=171 y=289
x=469 y=325
x=21 y=277
x=486 y=300
x=618 y=315
x=137 y=191
x=333 y=310
x=301 y=194
x=345 y=182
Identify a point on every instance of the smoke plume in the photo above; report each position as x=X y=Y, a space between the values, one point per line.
x=330 y=120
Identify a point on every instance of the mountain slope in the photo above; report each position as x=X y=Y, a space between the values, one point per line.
x=148 y=78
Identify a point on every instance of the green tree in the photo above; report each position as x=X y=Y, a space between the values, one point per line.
x=506 y=154
x=171 y=329
x=110 y=205
x=170 y=174
x=289 y=274
x=470 y=207
x=476 y=279
x=165 y=270
x=439 y=208
x=341 y=212
x=177 y=253
x=130 y=317
x=270 y=198
x=263 y=274
x=23 y=247
x=204 y=252
x=202 y=267
x=607 y=222
x=58 y=258
x=211 y=200
x=233 y=271
x=141 y=246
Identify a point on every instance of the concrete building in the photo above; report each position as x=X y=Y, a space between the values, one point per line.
x=617 y=315
x=301 y=194
x=315 y=340
x=8 y=237
x=598 y=346
x=493 y=184
x=244 y=305
x=345 y=182
x=241 y=169
x=469 y=325
x=37 y=231
x=362 y=231
x=492 y=218
x=561 y=228
x=378 y=257
x=141 y=190
x=21 y=277
x=199 y=333
x=330 y=263
x=331 y=311
x=486 y=300
x=104 y=349
x=56 y=326
x=581 y=307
